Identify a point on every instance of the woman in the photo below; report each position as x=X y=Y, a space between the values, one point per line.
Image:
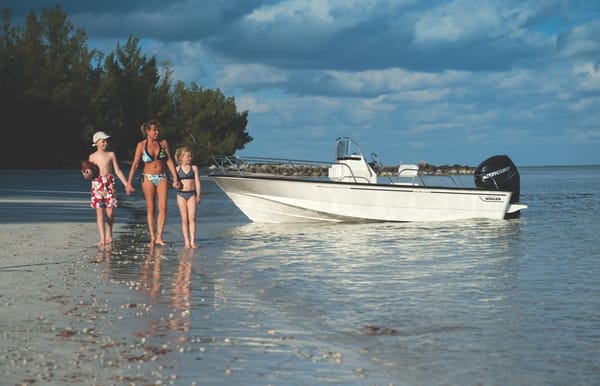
x=156 y=156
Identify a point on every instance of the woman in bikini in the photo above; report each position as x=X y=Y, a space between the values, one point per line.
x=156 y=157
x=189 y=195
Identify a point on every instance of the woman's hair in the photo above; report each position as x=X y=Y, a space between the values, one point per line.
x=146 y=125
x=153 y=122
x=180 y=152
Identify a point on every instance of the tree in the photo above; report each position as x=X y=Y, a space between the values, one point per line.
x=130 y=92
x=49 y=65
x=56 y=93
x=208 y=122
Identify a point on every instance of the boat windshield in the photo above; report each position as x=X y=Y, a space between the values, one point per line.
x=347 y=149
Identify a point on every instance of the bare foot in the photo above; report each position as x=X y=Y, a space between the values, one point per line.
x=100 y=244
x=160 y=241
x=108 y=241
x=194 y=246
x=187 y=246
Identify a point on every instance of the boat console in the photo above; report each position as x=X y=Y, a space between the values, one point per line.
x=350 y=164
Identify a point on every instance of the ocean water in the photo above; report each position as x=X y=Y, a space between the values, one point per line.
x=511 y=302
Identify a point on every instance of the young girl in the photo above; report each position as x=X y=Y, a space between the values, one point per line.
x=188 y=197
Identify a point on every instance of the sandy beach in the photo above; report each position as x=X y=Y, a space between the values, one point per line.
x=59 y=322
x=64 y=322
x=53 y=311
x=73 y=314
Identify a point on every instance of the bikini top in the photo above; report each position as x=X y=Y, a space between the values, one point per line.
x=162 y=154
x=185 y=176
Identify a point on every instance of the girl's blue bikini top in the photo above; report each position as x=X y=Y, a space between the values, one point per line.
x=162 y=154
x=185 y=176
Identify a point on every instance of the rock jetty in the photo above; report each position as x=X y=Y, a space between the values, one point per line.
x=322 y=170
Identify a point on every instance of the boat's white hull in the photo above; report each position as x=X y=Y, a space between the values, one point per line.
x=276 y=200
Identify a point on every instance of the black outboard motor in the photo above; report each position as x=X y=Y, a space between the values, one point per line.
x=499 y=173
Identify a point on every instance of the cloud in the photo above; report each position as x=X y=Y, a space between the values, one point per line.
x=452 y=78
x=459 y=21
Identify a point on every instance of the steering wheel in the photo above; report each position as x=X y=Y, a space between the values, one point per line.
x=376 y=161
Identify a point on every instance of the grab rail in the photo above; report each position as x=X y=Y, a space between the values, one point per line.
x=273 y=166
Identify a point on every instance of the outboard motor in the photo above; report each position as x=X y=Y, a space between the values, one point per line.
x=499 y=173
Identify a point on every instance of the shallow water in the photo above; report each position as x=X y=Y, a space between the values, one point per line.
x=473 y=302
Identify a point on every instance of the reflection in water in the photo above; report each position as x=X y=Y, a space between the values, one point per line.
x=171 y=282
x=181 y=292
x=356 y=244
x=340 y=278
x=104 y=259
x=180 y=279
x=150 y=275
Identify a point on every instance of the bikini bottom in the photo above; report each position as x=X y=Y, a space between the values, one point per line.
x=187 y=194
x=154 y=178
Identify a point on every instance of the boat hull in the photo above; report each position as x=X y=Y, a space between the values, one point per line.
x=277 y=200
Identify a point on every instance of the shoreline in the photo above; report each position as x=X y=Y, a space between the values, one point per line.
x=59 y=325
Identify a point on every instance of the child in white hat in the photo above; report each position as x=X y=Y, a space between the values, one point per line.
x=104 y=192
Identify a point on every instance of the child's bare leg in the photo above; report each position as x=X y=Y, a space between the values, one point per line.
x=182 y=205
x=192 y=237
x=184 y=230
x=192 y=221
x=110 y=220
x=100 y=222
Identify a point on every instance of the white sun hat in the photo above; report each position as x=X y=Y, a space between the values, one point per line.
x=98 y=136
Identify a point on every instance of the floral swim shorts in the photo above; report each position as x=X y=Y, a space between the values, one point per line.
x=104 y=194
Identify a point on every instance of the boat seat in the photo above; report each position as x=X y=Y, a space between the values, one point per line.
x=408 y=171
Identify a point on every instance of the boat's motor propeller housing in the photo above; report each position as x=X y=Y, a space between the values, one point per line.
x=500 y=173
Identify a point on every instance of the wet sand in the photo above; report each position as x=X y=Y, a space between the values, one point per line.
x=71 y=314
x=64 y=321
x=58 y=324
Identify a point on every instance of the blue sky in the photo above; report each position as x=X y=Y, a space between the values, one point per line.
x=442 y=81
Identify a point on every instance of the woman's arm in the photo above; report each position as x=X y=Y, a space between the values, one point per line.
x=171 y=164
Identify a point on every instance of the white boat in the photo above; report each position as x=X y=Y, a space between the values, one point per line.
x=276 y=190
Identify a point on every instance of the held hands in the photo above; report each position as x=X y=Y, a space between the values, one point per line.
x=129 y=189
x=177 y=184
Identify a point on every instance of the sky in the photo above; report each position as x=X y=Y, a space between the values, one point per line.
x=446 y=82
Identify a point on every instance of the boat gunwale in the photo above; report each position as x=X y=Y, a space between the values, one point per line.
x=379 y=186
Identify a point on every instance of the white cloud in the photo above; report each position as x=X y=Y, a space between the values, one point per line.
x=459 y=20
x=455 y=77
x=239 y=75
x=250 y=103
x=589 y=75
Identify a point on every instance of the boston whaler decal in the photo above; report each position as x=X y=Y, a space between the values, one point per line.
x=491 y=198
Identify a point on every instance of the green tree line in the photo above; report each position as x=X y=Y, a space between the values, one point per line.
x=55 y=92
